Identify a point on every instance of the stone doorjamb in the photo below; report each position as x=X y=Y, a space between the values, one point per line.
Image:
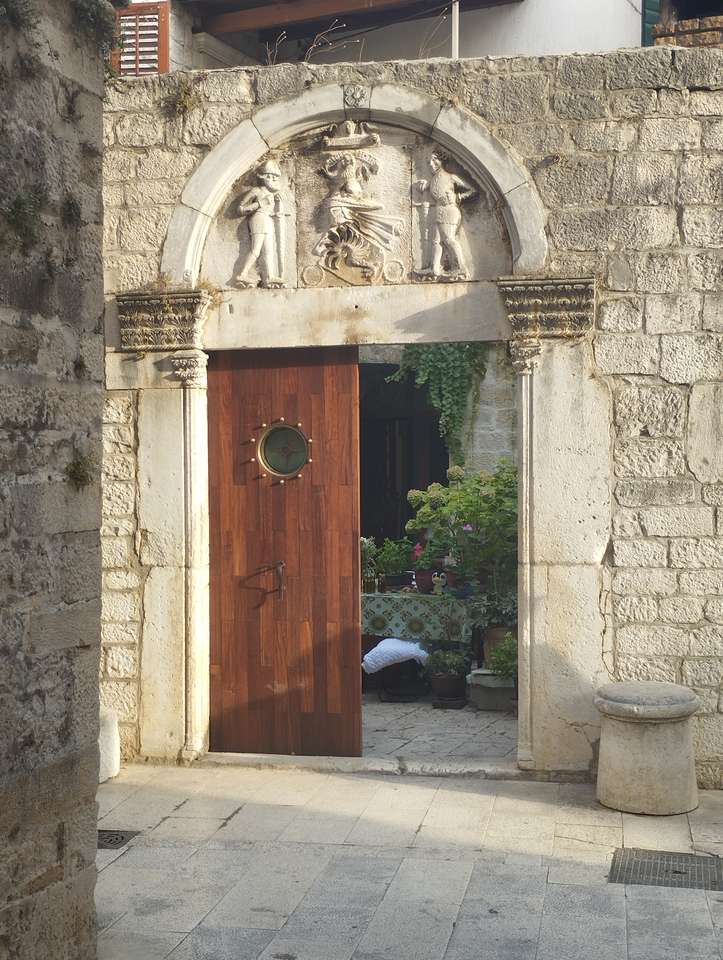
x=538 y=309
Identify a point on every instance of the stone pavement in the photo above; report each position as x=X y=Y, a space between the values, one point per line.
x=244 y=864
x=418 y=731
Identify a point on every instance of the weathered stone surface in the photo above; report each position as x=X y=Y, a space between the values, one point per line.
x=713 y=312
x=622 y=315
x=703 y=226
x=649 y=458
x=664 y=669
x=508 y=98
x=636 y=228
x=580 y=104
x=706 y=271
x=704 y=444
x=707 y=641
x=653 y=640
x=641 y=493
x=713 y=494
x=633 y=103
x=652 y=582
x=639 y=553
x=573 y=181
x=701 y=180
x=622 y=354
x=704 y=672
x=670 y=134
x=636 y=609
x=120 y=662
x=685 y=359
x=51 y=381
x=701 y=582
x=649 y=412
x=681 y=609
x=640 y=178
x=690 y=521
x=704 y=552
x=660 y=273
x=139 y=130
x=672 y=314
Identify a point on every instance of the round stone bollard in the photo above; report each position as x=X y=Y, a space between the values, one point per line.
x=646 y=760
x=108 y=745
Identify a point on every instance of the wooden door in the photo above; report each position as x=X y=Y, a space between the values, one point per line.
x=285 y=640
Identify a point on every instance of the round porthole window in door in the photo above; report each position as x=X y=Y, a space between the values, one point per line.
x=283 y=450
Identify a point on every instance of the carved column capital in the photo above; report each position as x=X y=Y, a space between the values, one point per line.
x=162 y=321
x=545 y=307
x=190 y=368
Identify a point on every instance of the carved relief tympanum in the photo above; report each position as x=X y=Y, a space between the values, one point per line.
x=356 y=204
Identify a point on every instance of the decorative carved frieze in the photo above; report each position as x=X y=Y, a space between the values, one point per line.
x=557 y=307
x=549 y=307
x=162 y=321
x=190 y=369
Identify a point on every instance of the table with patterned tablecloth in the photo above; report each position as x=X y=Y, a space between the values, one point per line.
x=415 y=616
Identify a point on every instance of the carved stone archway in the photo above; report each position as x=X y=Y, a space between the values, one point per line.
x=541 y=312
x=457 y=130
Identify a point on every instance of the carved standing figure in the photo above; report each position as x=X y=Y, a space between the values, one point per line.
x=263 y=206
x=447 y=192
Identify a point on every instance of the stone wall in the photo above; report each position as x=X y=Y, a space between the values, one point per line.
x=626 y=153
x=51 y=379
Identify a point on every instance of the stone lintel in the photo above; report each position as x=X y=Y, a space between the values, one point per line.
x=162 y=320
x=545 y=307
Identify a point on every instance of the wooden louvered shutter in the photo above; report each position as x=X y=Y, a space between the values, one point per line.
x=143 y=36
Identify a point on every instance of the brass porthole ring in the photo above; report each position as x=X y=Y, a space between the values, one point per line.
x=283 y=450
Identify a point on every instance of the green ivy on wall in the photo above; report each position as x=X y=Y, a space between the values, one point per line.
x=452 y=372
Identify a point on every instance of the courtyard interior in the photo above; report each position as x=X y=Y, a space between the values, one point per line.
x=249 y=864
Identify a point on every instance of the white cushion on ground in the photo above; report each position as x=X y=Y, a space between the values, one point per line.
x=391 y=650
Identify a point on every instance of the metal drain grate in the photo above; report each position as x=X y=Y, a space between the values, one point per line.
x=659 y=868
x=114 y=839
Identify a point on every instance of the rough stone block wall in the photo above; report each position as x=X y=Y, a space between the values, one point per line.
x=123 y=575
x=493 y=429
x=51 y=382
x=626 y=152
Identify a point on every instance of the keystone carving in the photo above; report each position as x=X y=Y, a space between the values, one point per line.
x=162 y=321
x=545 y=307
x=355 y=96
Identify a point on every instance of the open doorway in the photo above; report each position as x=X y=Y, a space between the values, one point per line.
x=430 y=624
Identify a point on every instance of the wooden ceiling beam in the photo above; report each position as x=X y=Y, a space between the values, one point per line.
x=297 y=11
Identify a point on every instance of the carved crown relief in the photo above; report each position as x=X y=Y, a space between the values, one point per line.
x=356 y=204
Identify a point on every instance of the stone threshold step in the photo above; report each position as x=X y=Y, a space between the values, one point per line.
x=396 y=766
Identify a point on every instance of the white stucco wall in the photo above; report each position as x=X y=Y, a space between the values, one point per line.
x=529 y=28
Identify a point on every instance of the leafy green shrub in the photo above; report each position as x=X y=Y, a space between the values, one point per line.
x=394 y=556
x=448 y=662
x=504 y=658
x=452 y=372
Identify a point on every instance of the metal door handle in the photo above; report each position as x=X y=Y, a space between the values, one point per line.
x=280 y=567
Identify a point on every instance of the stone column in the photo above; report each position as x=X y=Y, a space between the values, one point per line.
x=164 y=331
x=564 y=517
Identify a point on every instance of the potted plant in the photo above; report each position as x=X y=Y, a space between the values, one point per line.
x=447 y=670
x=394 y=563
x=495 y=688
x=449 y=659
x=369 y=553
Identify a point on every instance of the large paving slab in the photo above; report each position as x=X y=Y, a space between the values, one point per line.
x=244 y=864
